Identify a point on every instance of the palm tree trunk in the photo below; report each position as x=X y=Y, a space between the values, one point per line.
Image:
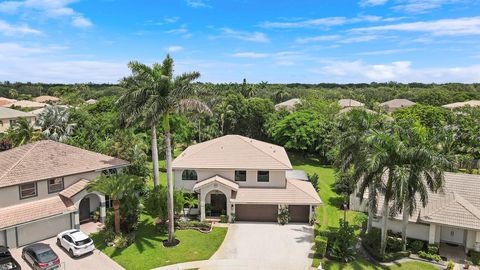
x=406 y=215
x=383 y=243
x=168 y=149
x=116 y=212
x=156 y=176
x=370 y=209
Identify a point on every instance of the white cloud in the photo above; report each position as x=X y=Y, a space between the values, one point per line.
x=48 y=9
x=197 y=3
x=422 y=6
x=243 y=35
x=357 y=39
x=254 y=55
x=387 y=52
x=81 y=22
x=181 y=30
x=444 y=27
x=365 y=3
x=400 y=71
x=317 y=38
x=10 y=30
x=174 y=48
x=325 y=22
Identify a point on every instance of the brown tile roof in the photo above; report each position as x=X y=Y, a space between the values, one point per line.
x=48 y=159
x=289 y=104
x=471 y=103
x=397 y=103
x=234 y=152
x=35 y=210
x=234 y=186
x=348 y=109
x=26 y=104
x=72 y=190
x=297 y=192
x=345 y=103
x=7 y=113
x=43 y=99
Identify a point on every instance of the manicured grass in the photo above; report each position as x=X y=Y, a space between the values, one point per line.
x=148 y=252
x=362 y=264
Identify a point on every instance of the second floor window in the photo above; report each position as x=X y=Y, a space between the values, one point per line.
x=263 y=176
x=240 y=176
x=28 y=190
x=55 y=185
x=189 y=175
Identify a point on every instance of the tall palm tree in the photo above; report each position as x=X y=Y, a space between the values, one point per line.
x=154 y=95
x=54 y=121
x=115 y=187
x=22 y=132
x=225 y=110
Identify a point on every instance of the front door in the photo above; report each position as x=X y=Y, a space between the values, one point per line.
x=219 y=204
x=84 y=210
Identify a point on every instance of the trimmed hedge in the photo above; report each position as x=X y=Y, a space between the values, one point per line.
x=475 y=255
x=428 y=256
x=416 y=246
x=321 y=243
x=388 y=257
x=432 y=249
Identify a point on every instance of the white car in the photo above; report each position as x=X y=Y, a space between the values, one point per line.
x=77 y=243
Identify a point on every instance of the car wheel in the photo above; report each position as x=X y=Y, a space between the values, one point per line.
x=71 y=253
x=58 y=242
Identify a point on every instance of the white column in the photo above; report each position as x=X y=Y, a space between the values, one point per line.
x=103 y=212
x=76 y=217
x=202 y=205
x=431 y=234
x=311 y=212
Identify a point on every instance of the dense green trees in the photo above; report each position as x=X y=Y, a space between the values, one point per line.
x=55 y=124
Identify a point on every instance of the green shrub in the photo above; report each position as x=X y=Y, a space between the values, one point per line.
x=394 y=244
x=321 y=243
x=109 y=235
x=432 y=249
x=416 y=246
x=475 y=255
x=120 y=241
x=283 y=216
x=450 y=265
x=428 y=256
x=223 y=219
x=194 y=224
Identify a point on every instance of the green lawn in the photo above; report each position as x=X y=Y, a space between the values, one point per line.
x=363 y=265
x=148 y=252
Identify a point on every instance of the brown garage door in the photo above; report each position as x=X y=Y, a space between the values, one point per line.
x=256 y=212
x=299 y=213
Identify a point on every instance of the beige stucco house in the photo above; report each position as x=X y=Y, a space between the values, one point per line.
x=245 y=178
x=43 y=190
x=288 y=105
x=348 y=103
x=395 y=104
x=9 y=116
x=452 y=215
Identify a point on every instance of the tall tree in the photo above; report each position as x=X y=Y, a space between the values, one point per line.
x=54 y=121
x=22 y=132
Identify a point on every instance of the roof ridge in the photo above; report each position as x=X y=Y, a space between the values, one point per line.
x=292 y=182
x=244 y=139
x=207 y=144
x=20 y=159
x=467 y=205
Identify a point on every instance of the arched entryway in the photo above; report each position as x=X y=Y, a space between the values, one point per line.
x=217 y=203
x=86 y=204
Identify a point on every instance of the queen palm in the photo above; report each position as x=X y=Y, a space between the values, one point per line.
x=154 y=94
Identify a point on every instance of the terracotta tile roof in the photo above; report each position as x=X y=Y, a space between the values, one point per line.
x=43 y=99
x=26 y=104
x=7 y=113
x=297 y=192
x=31 y=211
x=72 y=190
x=289 y=104
x=348 y=109
x=48 y=159
x=345 y=103
x=397 y=103
x=233 y=152
x=234 y=186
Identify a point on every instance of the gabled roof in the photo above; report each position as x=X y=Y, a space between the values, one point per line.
x=233 y=152
x=297 y=192
x=218 y=179
x=7 y=113
x=289 y=104
x=397 y=103
x=471 y=103
x=345 y=103
x=48 y=159
x=348 y=109
x=74 y=189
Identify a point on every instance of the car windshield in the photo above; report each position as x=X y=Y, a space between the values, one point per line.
x=83 y=242
x=46 y=256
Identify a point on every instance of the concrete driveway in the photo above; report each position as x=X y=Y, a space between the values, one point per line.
x=260 y=246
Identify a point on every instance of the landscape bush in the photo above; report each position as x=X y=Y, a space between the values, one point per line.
x=283 y=216
x=194 y=224
x=416 y=246
x=371 y=243
x=321 y=243
x=450 y=265
x=475 y=256
x=432 y=249
x=428 y=256
x=223 y=219
x=394 y=244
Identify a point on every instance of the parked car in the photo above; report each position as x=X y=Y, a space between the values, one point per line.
x=7 y=262
x=41 y=257
x=76 y=242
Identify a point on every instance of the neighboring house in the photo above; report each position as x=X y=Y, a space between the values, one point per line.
x=43 y=190
x=396 y=104
x=9 y=116
x=47 y=99
x=245 y=178
x=471 y=103
x=451 y=216
x=347 y=103
x=6 y=101
x=348 y=109
x=32 y=105
x=91 y=101
x=37 y=112
x=288 y=105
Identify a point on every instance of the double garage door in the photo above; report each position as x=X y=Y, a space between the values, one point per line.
x=42 y=229
x=268 y=212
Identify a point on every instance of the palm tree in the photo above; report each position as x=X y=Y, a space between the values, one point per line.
x=22 y=132
x=155 y=94
x=191 y=202
x=226 y=110
x=54 y=121
x=115 y=187
x=281 y=95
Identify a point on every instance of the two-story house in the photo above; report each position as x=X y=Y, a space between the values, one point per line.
x=247 y=178
x=8 y=117
x=43 y=190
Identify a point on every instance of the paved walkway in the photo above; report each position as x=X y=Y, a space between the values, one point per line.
x=259 y=246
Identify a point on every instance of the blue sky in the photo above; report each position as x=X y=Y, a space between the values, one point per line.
x=228 y=40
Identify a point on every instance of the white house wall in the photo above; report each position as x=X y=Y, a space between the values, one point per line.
x=416 y=231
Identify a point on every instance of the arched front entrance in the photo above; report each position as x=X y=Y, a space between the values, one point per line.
x=218 y=203
x=87 y=203
x=84 y=210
